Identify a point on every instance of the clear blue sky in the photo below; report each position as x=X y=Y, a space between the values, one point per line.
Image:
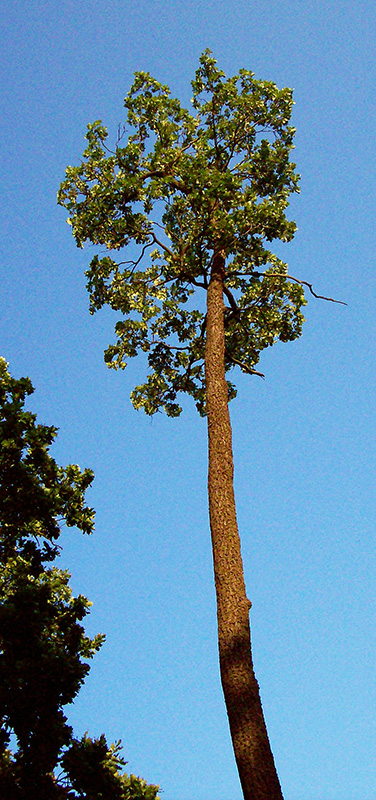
x=304 y=439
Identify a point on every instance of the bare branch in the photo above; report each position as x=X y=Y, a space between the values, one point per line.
x=170 y=346
x=231 y=300
x=255 y=274
x=305 y=283
x=120 y=133
x=243 y=366
x=162 y=227
x=190 y=279
x=136 y=263
x=160 y=244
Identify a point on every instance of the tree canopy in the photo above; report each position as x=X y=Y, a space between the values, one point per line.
x=44 y=650
x=187 y=184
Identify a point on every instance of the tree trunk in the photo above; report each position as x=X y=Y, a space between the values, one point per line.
x=253 y=755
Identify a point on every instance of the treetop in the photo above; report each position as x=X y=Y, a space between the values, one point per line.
x=184 y=186
x=36 y=494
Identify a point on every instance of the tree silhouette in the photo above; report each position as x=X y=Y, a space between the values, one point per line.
x=43 y=646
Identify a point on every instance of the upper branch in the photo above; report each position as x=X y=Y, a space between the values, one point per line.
x=244 y=366
x=231 y=299
x=160 y=244
x=305 y=283
x=255 y=274
x=136 y=263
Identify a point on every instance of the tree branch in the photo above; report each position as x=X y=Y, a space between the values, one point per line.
x=169 y=346
x=136 y=263
x=163 y=246
x=243 y=366
x=305 y=283
x=255 y=274
x=231 y=300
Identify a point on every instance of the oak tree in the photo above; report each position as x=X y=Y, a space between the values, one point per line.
x=194 y=198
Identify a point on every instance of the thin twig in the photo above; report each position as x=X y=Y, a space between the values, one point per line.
x=305 y=283
x=136 y=263
x=255 y=274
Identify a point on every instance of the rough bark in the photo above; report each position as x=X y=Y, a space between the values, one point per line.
x=253 y=755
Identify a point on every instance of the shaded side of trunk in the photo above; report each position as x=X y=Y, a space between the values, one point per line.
x=253 y=755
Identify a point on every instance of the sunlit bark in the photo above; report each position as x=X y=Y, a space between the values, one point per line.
x=253 y=755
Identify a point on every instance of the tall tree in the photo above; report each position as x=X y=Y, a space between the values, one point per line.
x=43 y=646
x=196 y=198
